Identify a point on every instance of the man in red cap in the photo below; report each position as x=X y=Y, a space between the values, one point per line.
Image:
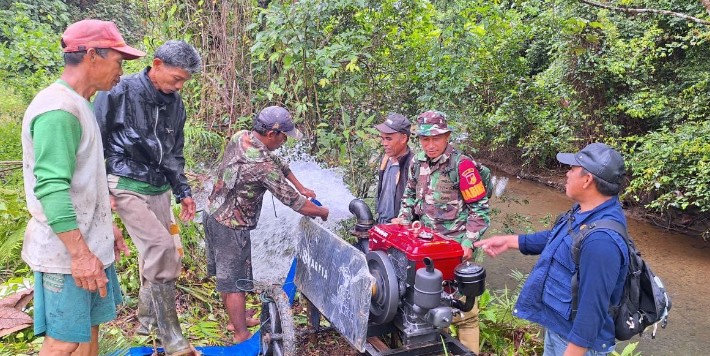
x=69 y=241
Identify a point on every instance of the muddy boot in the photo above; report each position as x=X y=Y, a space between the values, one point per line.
x=169 y=331
x=146 y=315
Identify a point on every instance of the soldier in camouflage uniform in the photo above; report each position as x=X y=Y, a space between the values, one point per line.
x=445 y=192
x=247 y=171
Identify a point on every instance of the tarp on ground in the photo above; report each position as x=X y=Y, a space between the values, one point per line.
x=250 y=347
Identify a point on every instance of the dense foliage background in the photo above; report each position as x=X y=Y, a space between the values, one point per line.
x=520 y=80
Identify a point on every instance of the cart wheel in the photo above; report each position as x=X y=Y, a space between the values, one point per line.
x=278 y=337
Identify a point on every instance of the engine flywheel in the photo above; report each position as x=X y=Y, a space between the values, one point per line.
x=385 y=293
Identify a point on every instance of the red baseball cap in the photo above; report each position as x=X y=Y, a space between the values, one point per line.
x=85 y=34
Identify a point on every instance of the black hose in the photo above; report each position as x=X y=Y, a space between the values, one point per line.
x=464 y=307
x=363 y=214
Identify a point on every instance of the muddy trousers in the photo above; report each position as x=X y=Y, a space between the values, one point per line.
x=468 y=330
x=148 y=219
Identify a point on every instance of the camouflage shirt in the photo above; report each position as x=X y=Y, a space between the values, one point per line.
x=437 y=201
x=247 y=170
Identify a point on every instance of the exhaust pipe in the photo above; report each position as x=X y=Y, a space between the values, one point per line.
x=464 y=307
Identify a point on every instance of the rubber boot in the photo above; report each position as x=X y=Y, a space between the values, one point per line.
x=169 y=331
x=146 y=315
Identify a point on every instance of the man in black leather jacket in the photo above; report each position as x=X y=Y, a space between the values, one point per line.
x=142 y=121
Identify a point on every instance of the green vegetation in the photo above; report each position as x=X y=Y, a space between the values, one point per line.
x=501 y=332
x=520 y=80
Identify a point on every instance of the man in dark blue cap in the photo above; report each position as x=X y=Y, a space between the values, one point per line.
x=593 y=181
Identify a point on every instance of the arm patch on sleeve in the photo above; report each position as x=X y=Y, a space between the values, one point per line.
x=470 y=182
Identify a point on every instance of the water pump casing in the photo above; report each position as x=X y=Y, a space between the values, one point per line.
x=420 y=263
x=408 y=247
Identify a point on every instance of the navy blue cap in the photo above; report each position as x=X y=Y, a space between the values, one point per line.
x=598 y=159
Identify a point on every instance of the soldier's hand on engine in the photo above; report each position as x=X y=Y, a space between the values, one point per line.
x=467 y=254
x=401 y=221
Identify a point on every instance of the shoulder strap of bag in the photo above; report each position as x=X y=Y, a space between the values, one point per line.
x=577 y=239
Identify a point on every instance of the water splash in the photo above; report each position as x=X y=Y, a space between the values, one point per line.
x=499 y=184
x=275 y=239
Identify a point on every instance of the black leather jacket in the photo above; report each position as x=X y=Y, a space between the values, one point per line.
x=142 y=132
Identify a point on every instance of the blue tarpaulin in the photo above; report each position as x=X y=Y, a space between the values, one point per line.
x=250 y=347
x=246 y=348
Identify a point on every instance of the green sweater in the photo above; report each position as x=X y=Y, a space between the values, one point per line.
x=55 y=136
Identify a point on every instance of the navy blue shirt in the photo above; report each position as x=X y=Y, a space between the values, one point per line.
x=546 y=297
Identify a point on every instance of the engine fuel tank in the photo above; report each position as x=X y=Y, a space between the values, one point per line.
x=418 y=243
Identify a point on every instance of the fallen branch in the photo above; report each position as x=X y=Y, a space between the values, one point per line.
x=6 y=166
x=635 y=11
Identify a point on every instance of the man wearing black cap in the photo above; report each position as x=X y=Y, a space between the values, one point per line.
x=247 y=171
x=593 y=182
x=394 y=166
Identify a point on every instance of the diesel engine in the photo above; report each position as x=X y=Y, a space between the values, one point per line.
x=420 y=281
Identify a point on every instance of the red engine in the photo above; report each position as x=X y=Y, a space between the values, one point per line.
x=417 y=243
x=419 y=280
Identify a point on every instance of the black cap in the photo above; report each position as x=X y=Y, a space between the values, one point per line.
x=278 y=119
x=395 y=123
x=598 y=159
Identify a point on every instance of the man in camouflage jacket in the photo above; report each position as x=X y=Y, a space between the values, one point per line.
x=247 y=171
x=445 y=192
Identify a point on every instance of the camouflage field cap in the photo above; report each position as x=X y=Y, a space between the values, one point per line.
x=432 y=123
